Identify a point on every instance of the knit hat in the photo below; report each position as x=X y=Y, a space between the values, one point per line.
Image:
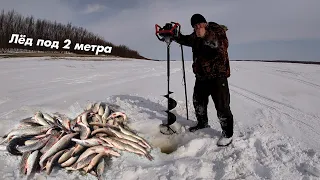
x=197 y=18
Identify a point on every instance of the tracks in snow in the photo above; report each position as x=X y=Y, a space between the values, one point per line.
x=281 y=114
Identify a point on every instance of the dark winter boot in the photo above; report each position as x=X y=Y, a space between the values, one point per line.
x=198 y=126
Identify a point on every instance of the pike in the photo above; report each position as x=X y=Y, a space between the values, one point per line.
x=100 y=167
x=127 y=132
x=35 y=139
x=102 y=125
x=39 y=118
x=101 y=110
x=106 y=150
x=99 y=118
x=82 y=163
x=98 y=149
x=70 y=161
x=134 y=145
x=51 y=162
x=89 y=107
x=95 y=161
x=114 y=143
x=30 y=142
x=67 y=153
x=31 y=162
x=85 y=131
x=61 y=144
x=23 y=163
x=122 y=114
x=111 y=122
x=84 y=118
x=130 y=138
x=120 y=145
x=28 y=119
x=102 y=130
x=93 y=173
x=53 y=139
x=105 y=114
x=47 y=117
x=28 y=124
x=78 y=149
x=88 y=152
x=96 y=107
x=27 y=131
x=89 y=142
x=32 y=147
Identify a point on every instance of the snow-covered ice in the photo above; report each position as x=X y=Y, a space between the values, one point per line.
x=275 y=106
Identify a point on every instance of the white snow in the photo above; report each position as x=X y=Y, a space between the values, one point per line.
x=275 y=106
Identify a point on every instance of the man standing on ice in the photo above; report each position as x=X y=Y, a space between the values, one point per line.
x=211 y=67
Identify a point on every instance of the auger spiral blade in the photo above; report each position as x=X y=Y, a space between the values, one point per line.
x=167 y=95
x=165 y=128
x=171 y=104
x=171 y=118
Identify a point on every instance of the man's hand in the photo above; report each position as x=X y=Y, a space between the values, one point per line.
x=176 y=35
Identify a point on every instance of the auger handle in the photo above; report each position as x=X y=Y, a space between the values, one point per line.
x=157 y=32
x=170 y=31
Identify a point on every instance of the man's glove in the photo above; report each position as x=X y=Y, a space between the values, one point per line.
x=175 y=35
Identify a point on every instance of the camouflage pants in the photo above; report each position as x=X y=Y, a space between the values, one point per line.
x=218 y=89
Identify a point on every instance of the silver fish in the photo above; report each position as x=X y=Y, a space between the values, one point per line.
x=100 y=167
x=89 y=142
x=27 y=131
x=95 y=161
x=101 y=110
x=78 y=149
x=102 y=130
x=52 y=140
x=85 y=131
x=51 y=162
x=48 y=117
x=83 y=162
x=134 y=145
x=127 y=132
x=96 y=107
x=61 y=144
x=106 y=114
x=31 y=162
x=37 y=145
x=39 y=118
x=23 y=163
x=70 y=161
x=67 y=154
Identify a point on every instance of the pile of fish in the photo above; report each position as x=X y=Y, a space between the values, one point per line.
x=84 y=143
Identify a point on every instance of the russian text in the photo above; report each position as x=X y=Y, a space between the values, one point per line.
x=23 y=40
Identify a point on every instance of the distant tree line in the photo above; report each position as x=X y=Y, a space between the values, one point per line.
x=14 y=23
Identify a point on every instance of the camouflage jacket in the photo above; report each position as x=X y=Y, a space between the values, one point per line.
x=210 y=54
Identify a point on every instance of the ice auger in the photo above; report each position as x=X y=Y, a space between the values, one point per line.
x=166 y=34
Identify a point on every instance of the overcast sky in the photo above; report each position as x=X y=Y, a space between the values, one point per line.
x=270 y=29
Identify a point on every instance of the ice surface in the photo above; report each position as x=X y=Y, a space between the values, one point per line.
x=275 y=106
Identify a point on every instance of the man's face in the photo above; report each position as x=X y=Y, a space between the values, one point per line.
x=200 y=29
